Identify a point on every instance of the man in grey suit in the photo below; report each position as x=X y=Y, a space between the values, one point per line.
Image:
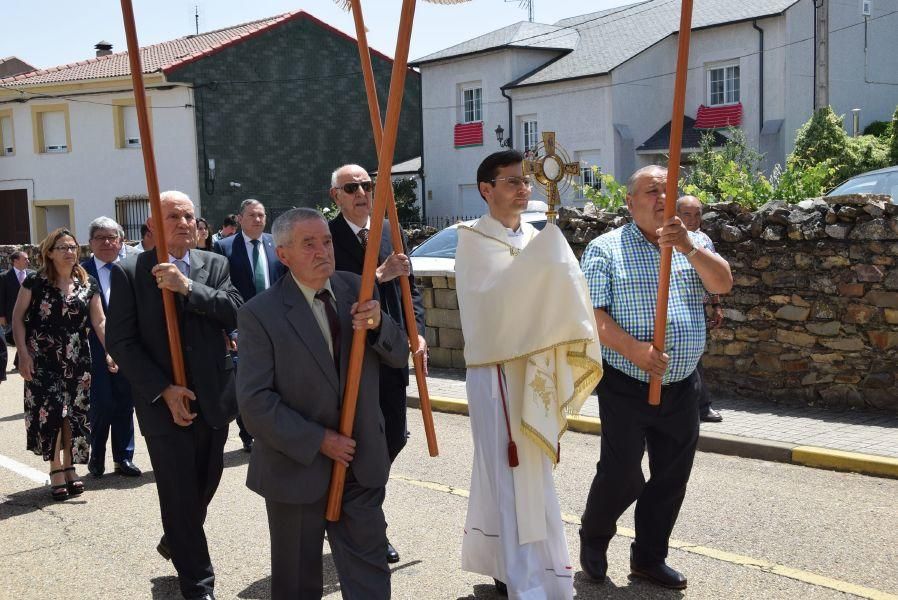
x=295 y=339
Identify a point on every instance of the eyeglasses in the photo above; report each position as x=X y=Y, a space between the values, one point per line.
x=352 y=186
x=70 y=248
x=106 y=239
x=515 y=181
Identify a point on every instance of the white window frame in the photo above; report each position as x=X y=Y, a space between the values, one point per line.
x=476 y=112
x=732 y=83
x=529 y=133
x=7 y=132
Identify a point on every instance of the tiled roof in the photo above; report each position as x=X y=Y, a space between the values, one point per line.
x=660 y=140
x=601 y=41
x=163 y=57
x=519 y=35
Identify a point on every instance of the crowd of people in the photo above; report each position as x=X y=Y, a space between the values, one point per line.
x=266 y=321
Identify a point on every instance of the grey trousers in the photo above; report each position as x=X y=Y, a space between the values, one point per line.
x=358 y=542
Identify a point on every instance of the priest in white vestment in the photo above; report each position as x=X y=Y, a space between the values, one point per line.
x=533 y=357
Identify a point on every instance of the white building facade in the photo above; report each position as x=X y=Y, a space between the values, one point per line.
x=75 y=157
x=603 y=83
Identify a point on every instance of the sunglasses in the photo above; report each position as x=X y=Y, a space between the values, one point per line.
x=352 y=186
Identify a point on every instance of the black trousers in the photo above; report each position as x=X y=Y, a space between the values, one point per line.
x=358 y=544
x=393 y=383
x=188 y=464
x=704 y=402
x=630 y=426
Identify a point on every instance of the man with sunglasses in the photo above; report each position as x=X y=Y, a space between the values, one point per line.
x=352 y=191
x=532 y=356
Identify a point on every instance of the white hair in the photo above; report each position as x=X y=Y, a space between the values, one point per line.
x=282 y=228
x=640 y=173
x=335 y=175
x=104 y=223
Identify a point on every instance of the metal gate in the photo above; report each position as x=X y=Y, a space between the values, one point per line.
x=131 y=212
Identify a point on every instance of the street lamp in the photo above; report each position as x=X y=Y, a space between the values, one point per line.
x=500 y=134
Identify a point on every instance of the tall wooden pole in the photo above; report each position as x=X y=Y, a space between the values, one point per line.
x=381 y=195
x=673 y=176
x=408 y=310
x=149 y=163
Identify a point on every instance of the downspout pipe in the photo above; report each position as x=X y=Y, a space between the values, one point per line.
x=421 y=170
x=510 y=127
x=760 y=31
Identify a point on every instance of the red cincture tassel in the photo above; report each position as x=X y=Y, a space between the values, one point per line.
x=512 y=448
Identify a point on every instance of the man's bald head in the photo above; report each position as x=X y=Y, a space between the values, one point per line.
x=178 y=222
x=689 y=209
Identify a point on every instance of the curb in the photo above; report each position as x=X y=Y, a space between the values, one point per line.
x=731 y=445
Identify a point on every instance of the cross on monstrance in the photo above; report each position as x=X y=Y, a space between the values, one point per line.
x=553 y=170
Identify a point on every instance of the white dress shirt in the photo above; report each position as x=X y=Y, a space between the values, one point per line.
x=103 y=276
x=356 y=229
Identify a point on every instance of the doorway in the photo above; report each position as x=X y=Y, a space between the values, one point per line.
x=15 y=227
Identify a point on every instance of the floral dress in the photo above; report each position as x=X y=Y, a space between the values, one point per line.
x=56 y=335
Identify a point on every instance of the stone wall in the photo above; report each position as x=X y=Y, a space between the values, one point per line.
x=813 y=316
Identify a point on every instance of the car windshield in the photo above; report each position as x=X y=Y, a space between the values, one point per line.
x=443 y=243
x=875 y=183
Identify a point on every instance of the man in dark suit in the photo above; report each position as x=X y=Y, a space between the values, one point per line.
x=351 y=190
x=254 y=266
x=111 y=404
x=185 y=427
x=296 y=339
x=9 y=291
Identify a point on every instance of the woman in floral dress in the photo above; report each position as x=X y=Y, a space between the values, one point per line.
x=50 y=329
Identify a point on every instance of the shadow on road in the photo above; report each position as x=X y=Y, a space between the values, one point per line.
x=587 y=589
x=165 y=588
x=15 y=417
x=261 y=589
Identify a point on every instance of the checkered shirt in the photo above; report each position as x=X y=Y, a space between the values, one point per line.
x=621 y=268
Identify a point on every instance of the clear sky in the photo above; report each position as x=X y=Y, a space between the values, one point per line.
x=47 y=33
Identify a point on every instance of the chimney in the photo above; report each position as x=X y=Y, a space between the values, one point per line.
x=103 y=48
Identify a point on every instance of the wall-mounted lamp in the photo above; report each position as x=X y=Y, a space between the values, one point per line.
x=234 y=184
x=212 y=169
x=500 y=134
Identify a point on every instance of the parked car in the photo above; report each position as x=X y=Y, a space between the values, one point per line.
x=881 y=181
x=437 y=253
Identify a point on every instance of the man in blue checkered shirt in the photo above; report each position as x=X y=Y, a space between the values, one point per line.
x=621 y=268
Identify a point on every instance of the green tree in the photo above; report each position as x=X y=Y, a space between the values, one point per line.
x=821 y=139
x=406 y=207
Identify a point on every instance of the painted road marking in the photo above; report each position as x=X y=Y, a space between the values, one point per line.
x=23 y=470
x=721 y=555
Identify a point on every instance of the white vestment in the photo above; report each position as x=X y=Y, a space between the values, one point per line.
x=525 y=307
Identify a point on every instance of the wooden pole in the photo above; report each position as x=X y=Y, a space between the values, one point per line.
x=673 y=176
x=381 y=194
x=149 y=162
x=407 y=307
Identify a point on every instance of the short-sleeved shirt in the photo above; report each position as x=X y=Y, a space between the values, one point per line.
x=621 y=268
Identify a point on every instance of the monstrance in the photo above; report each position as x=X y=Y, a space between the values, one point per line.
x=552 y=169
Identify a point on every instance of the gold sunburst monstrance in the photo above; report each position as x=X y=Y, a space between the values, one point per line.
x=553 y=170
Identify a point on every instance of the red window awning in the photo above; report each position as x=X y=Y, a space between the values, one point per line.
x=717 y=117
x=469 y=134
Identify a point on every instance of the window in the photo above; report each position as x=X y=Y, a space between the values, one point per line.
x=51 y=128
x=131 y=212
x=529 y=134
x=124 y=115
x=472 y=104
x=588 y=161
x=7 y=140
x=51 y=214
x=723 y=85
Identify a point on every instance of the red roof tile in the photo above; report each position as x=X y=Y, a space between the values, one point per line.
x=165 y=56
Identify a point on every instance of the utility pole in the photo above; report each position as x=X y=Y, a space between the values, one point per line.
x=821 y=54
x=196 y=16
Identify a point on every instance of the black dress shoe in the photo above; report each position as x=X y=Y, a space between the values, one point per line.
x=248 y=446
x=162 y=549
x=127 y=468
x=392 y=555
x=711 y=416
x=594 y=559
x=501 y=588
x=659 y=574
x=95 y=467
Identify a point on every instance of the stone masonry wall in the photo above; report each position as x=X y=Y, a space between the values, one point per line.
x=813 y=315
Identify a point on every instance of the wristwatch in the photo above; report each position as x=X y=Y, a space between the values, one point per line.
x=190 y=286
x=692 y=252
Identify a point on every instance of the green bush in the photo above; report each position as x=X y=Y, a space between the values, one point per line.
x=404 y=193
x=610 y=195
x=879 y=129
x=893 y=150
x=864 y=153
x=822 y=139
x=731 y=173
x=794 y=184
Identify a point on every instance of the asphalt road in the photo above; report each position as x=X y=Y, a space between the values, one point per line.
x=748 y=529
